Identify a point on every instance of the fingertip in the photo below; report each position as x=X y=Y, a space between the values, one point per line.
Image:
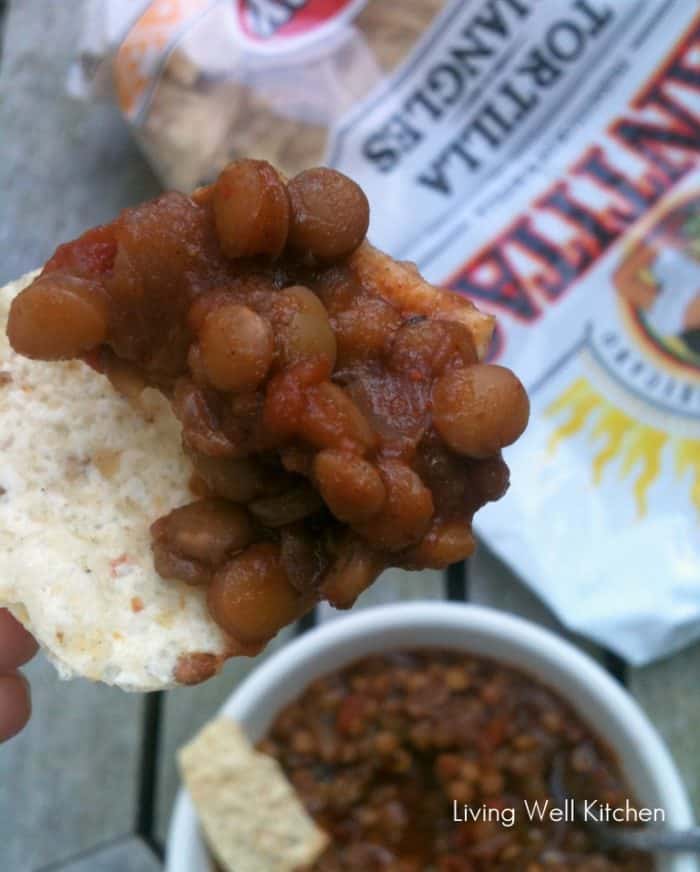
x=17 y=645
x=15 y=704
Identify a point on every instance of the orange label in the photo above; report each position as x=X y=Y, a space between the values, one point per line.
x=139 y=55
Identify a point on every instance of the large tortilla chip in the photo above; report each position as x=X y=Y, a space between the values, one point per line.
x=400 y=283
x=251 y=816
x=82 y=476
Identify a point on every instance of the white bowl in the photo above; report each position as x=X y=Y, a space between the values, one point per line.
x=613 y=714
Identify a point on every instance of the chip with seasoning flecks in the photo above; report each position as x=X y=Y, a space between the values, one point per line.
x=251 y=816
x=75 y=557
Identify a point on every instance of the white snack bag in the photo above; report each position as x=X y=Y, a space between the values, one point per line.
x=202 y=81
x=543 y=158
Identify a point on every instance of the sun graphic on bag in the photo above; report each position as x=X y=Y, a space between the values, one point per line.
x=620 y=440
x=637 y=406
x=658 y=282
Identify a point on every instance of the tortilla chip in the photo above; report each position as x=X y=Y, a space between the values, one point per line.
x=401 y=283
x=83 y=474
x=252 y=818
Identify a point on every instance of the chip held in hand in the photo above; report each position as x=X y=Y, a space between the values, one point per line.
x=335 y=409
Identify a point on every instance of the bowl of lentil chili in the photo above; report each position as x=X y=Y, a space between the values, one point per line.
x=410 y=730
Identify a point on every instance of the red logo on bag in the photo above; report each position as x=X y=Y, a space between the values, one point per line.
x=285 y=24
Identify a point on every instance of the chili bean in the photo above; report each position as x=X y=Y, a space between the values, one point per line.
x=429 y=346
x=302 y=328
x=286 y=508
x=201 y=428
x=407 y=512
x=169 y=564
x=125 y=377
x=251 y=597
x=203 y=195
x=302 y=557
x=364 y=329
x=460 y=791
x=489 y=479
x=242 y=418
x=251 y=209
x=445 y=543
x=204 y=304
x=57 y=317
x=355 y=568
x=206 y=530
x=338 y=287
x=329 y=216
x=332 y=420
x=491 y=783
x=285 y=398
x=238 y=480
x=479 y=410
x=297 y=459
x=350 y=486
x=236 y=348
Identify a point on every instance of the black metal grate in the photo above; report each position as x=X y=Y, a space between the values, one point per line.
x=457 y=582
x=148 y=771
x=615 y=665
x=3 y=14
x=307 y=622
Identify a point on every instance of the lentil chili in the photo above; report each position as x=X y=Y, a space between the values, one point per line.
x=384 y=750
x=333 y=432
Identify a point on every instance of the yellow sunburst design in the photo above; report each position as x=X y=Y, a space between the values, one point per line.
x=638 y=445
x=688 y=457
